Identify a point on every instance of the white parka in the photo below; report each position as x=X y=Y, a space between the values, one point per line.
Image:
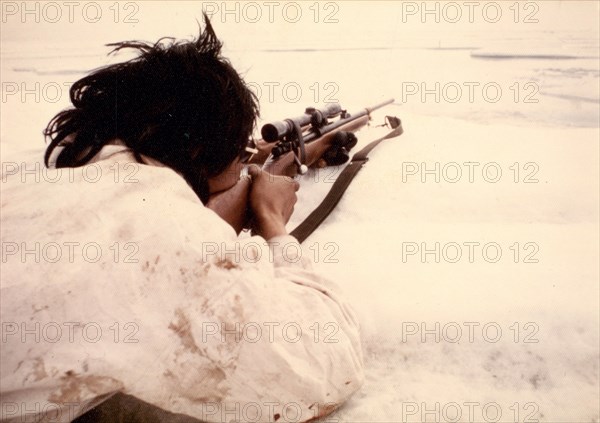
x=115 y=277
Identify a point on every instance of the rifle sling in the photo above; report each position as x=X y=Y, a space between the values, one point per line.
x=319 y=214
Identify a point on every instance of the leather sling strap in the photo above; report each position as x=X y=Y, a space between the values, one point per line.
x=312 y=222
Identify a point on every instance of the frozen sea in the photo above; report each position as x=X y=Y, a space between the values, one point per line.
x=450 y=333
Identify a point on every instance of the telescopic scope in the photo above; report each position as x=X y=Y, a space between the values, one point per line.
x=272 y=132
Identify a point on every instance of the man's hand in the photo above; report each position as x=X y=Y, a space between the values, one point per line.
x=272 y=200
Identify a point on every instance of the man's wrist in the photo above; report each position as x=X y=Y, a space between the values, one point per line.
x=271 y=227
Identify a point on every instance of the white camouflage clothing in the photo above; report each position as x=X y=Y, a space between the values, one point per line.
x=116 y=277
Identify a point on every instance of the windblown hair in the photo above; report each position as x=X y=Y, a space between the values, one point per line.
x=180 y=103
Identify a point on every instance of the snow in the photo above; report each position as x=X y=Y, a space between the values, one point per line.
x=381 y=218
x=545 y=363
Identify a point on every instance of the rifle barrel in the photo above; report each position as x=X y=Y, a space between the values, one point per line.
x=364 y=112
x=380 y=105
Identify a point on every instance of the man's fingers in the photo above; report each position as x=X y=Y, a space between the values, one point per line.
x=255 y=171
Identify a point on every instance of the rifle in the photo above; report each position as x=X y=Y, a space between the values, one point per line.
x=290 y=147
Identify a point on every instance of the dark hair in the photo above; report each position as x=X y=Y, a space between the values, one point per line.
x=180 y=103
